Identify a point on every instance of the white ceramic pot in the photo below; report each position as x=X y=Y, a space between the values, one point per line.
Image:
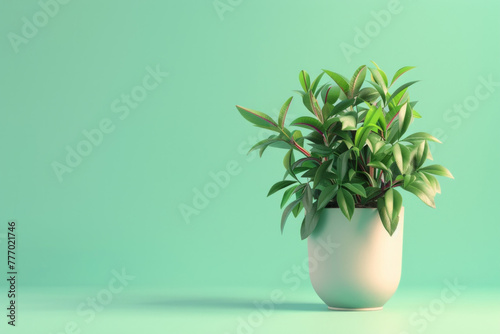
x=363 y=269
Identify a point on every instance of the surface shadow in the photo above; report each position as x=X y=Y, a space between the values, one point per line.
x=231 y=303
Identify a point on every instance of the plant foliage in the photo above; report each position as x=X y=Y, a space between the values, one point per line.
x=356 y=151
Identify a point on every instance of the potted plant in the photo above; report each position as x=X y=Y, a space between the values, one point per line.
x=345 y=174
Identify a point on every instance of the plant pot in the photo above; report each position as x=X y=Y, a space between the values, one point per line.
x=355 y=265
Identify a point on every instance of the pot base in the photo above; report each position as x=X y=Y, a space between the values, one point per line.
x=355 y=309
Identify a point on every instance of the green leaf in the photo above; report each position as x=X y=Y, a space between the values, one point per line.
x=307 y=102
x=305 y=81
x=330 y=94
x=315 y=106
x=287 y=211
x=391 y=115
x=283 y=112
x=382 y=73
x=316 y=81
x=372 y=192
x=389 y=207
x=309 y=223
x=379 y=90
x=308 y=198
x=342 y=161
x=370 y=179
x=327 y=195
x=321 y=149
x=346 y=138
x=368 y=94
x=320 y=173
x=340 y=81
x=421 y=151
x=433 y=182
x=375 y=142
x=321 y=89
x=297 y=209
x=271 y=128
x=308 y=123
x=355 y=188
x=408 y=179
x=437 y=170
x=326 y=111
x=401 y=156
x=288 y=161
x=397 y=91
x=351 y=174
x=341 y=106
x=297 y=136
x=421 y=136
x=400 y=72
x=369 y=116
x=286 y=196
x=265 y=143
x=357 y=80
x=379 y=165
x=422 y=191
x=398 y=202
x=401 y=98
x=310 y=173
x=258 y=118
x=280 y=185
x=299 y=191
x=384 y=215
x=362 y=135
x=423 y=177
x=346 y=203
x=404 y=118
x=262 y=149
x=389 y=198
x=382 y=122
x=373 y=116
x=379 y=79
x=349 y=120
x=300 y=162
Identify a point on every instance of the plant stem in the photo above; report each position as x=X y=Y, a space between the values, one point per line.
x=301 y=149
x=361 y=165
x=385 y=188
x=389 y=124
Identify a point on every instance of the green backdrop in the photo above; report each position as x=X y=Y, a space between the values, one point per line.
x=116 y=115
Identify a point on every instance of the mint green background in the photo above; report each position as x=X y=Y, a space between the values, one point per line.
x=120 y=208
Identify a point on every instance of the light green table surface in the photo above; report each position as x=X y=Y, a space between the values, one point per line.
x=225 y=310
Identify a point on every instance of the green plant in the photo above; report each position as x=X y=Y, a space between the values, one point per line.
x=358 y=153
